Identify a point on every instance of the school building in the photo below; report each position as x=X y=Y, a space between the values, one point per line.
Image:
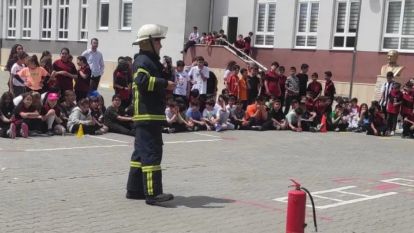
x=321 y=33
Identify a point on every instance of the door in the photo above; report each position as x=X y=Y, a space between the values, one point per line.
x=230 y=26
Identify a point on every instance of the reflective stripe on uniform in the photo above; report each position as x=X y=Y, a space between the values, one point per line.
x=151 y=81
x=150 y=183
x=136 y=164
x=148 y=117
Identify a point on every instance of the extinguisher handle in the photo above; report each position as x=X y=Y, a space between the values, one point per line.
x=295 y=184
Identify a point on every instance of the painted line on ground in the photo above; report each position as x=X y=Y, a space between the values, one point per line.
x=340 y=202
x=394 y=181
x=72 y=148
x=107 y=139
x=207 y=135
x=193 y=141
x=108 y=146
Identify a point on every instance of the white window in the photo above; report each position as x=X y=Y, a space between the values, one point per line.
x=346 y=23
x=307 y=24
x=11 y=19
x=84 y=21
x=126 y=15
x=27 y=19
x=265 y=24
x=399 y=26
x=46 y=31
x=63 y=20
x=103 y=14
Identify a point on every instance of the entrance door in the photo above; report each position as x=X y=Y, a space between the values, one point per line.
x=230 y=26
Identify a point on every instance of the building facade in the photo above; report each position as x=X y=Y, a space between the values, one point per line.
x=322 y=33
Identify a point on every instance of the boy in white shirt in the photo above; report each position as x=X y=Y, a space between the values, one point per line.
x=182 y=81
x=199 y=75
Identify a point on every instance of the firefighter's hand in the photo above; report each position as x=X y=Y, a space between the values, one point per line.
x=171 y=85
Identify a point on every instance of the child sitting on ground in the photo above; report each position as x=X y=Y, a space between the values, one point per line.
x=6 y=113
x=209 y=115
x=236 y=116
x=277 y=117
x=378 y=123
x=339 y=119
x=81 y=115
x=222 y=116
x=353 y=116
x=194 y=116
x=51 y=116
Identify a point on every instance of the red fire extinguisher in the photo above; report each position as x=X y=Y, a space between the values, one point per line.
x=295 y=217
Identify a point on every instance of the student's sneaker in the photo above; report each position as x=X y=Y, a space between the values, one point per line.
x=312 y=129
x=156 y=200
x=257 y=127
x=218 y=127
x=50 y=132
x=98 y=132
x=196 y=128
x=12 y=131
x=392 y=133
x=337 y=130
x=24 y=131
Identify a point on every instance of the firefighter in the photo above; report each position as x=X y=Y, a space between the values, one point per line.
x=149 y=87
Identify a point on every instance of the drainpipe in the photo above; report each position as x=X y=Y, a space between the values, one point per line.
x=354 y=54
x=211 y=15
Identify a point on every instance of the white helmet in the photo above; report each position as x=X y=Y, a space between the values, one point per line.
x=148 y=31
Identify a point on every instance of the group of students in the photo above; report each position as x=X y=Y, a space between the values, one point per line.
x=55 y=98
x=34 y=113
x=254 y=100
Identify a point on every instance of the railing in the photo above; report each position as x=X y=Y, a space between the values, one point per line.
x=244 y=57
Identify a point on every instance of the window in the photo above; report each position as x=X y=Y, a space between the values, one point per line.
x=346 y=23
x=84 y=21
x=103 y=14
x=265 y=26
x=63 y=19
x=399 y=26
x=27 y=19
x=46 y=31
x=126 y=14
x=307 y=24
x=11 y=19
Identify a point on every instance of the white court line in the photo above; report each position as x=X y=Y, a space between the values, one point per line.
x=356 y=194
x=393 y=181
x=355 y=200
x=340 y=202
x=108 y=139
x=109 y=146
x=208 y=135
x=73 y=148
x=192 y=141
x=328 y=198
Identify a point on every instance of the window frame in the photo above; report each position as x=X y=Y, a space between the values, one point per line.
x=346 y=32
x=100 y=27
x=49 y=9
x=307 y=33
x=122 y=14
x=65 y=29
x=265 y=32
x=27 y=19
x=83 y=31
x=11 y=25
x=398 y=35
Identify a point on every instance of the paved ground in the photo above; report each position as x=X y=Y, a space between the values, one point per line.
x=223 y=182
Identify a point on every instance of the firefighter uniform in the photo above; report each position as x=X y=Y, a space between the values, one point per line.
x=149 y=86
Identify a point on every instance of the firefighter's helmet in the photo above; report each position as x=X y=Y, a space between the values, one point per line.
x=152 y=31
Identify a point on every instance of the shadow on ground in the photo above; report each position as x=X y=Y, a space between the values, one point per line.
x=197 y=202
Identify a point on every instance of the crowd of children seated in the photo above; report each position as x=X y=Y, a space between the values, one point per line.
x=46 y=98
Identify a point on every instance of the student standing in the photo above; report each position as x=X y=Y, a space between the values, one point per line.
x=303 y=79
x=292 y=89
x=82 y=82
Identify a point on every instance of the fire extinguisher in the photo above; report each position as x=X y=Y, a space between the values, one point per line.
x=295 y=218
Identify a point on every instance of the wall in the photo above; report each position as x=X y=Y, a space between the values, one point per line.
x=197 y=14
x=371 y=25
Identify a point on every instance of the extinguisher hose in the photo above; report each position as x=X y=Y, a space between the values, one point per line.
x=313 y=208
